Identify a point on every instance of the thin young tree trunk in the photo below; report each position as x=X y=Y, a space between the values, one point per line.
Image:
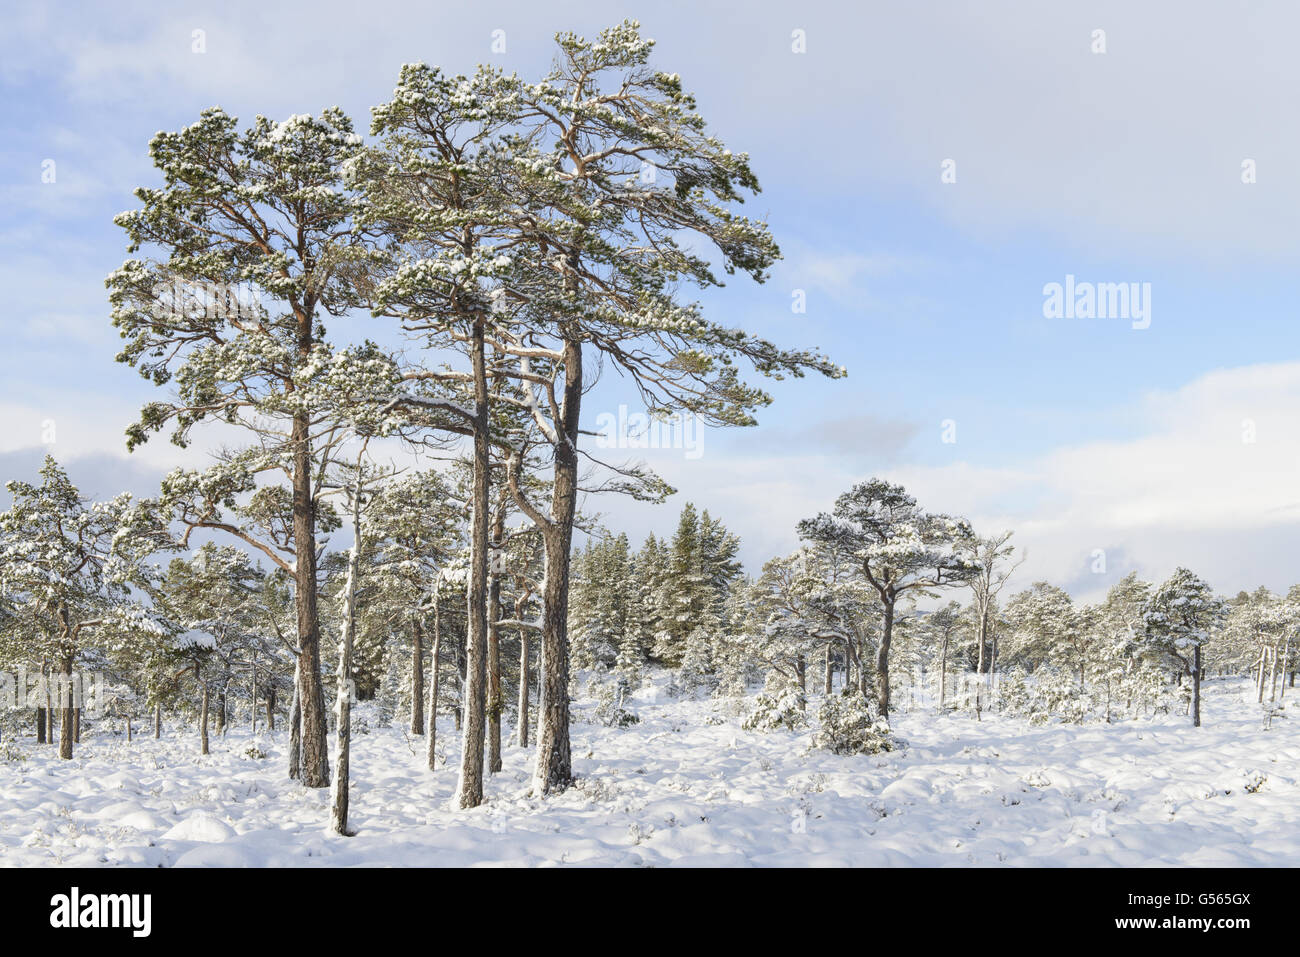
x=252 y=700
x=76 y=725
x=1196 y=687
x=495 y=697
x=943 y=674
x=128 y=729
x=469 y=792
x=434 y=672
x=523 y=682
x=1272 y=674
x=40 y=725
x=343 y=679
x=270 y=706
x=203 y=721
x=417 y=676
x=295 y=728
x=828 y=677
x=157 y=721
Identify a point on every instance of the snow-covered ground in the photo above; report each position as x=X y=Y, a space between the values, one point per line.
x=687 y=786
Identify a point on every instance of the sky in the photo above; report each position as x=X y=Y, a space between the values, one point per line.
x=928 y=168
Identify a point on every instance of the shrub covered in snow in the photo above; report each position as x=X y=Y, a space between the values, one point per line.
x=609 y=704
x=850 y=723
x=777 y=709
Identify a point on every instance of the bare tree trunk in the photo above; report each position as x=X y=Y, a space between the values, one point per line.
x=295 y=728
x=252 y=700
x=66 y=736
x=314 y=758
x=270 y=706
x=943 y=674
x=1196 y=687
x=1259 y=675
x=1272 y=674
x=128 y=729
x=343 y=678
x=221 y=711
x=495 y=697
x=828 y=677
x=203 y=721
x=417 y=676
x=554 y=767
x=523 y=683
x=157 y=721
x=76 y=725
x=469 y=792
x=433 y=681
x=882 y=658
x=40 y=725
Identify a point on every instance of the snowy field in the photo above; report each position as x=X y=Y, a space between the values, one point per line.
x=687 y=786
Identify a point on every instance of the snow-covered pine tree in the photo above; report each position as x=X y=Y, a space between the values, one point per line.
x=897 y=548
x=248 y=243
x=1181 y=616
x=79 y=570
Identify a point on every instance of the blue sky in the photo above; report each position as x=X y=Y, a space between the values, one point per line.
x=1122 y=166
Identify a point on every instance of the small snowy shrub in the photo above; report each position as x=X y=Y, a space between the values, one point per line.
x=255 y=753
x=697 y=673
x=1014 y=693
x=850 y=724
x=609 y=705
x=777 y=709
x=1059 y=696
x=11 y=754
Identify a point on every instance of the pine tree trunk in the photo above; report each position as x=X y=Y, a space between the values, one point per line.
x=157 y=722
x=1196 y=687
x=523 y=683
x=554 y=767
x=434 y=673
x=203 y=721
x=40 y=725
x=495 y=698
x=128 y=730
x=882 y=658
x=417 y=676
x=469 y=792
x=270 y=707
x=295 y=728
x=828 y=677
x=314 y=756
x=66 y=735
x=343 y=678
x=76 y=725
x=1272 y=674
x=943 y=674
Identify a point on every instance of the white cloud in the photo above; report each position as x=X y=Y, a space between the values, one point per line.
x=1187 y=490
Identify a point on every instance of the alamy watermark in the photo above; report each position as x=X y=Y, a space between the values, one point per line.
x=1098 y=300
x=31 y=688
x=638 y=430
